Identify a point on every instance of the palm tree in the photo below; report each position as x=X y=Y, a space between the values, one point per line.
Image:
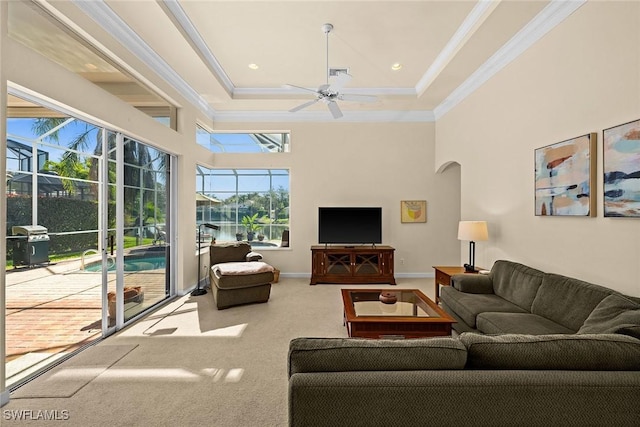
x=138 y=170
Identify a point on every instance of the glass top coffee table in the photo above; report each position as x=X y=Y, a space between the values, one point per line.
x=397 y=313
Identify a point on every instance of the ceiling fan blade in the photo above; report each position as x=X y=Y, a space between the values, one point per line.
x=289 y=86
x=341 y=79
x=357 y=98
x=335 y=110
x=305 y=105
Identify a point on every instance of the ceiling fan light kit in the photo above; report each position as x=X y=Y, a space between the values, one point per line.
x=330 y=93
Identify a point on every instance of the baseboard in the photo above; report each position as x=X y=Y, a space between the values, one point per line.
x=4 y=398
x=414 y=275
x=296 y=275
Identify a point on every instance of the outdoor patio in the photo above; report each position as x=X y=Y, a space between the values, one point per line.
x=54 y=310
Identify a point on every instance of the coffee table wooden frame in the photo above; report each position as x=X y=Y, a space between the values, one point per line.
x=395 y=326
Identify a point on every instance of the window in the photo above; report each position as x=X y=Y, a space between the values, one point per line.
x=243 y=142
x=247 y=204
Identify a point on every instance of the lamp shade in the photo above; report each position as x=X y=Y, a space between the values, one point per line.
x=473 y=231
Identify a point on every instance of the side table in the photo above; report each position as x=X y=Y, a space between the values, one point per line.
x=443 y=276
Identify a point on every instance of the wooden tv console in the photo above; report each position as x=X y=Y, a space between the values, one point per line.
x=352 y=264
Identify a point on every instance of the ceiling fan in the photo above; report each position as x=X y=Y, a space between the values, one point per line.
x=330 y=93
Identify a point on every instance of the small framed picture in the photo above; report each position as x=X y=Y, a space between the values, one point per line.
x=413 y=211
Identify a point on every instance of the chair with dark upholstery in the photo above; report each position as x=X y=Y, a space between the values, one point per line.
x=238 y=276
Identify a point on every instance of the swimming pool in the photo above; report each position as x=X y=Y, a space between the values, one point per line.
x=131 y=263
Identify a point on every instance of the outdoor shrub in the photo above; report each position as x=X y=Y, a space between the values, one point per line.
x=58 y=215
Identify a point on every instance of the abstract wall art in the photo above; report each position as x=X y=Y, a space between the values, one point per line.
x=565 y=177
x=621 y=168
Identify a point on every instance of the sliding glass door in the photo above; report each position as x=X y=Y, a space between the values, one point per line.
x=88 y=235
x=136 y=255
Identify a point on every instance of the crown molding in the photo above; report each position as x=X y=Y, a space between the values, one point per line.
x=177 y=13
x=324 y=116
x=552 y=15
x=478 y=14
x=104 y=16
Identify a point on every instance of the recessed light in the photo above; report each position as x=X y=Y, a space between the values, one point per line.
x=397 y=66
x=254 y=66
x=91 y=66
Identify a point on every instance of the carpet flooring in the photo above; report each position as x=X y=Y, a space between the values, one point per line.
x=189 y=364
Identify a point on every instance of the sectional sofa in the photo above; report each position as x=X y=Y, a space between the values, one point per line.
x=535 y=349
x=515 y=298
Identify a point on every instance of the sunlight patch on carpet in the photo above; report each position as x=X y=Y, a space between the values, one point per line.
x=71 y=376
x=148 y=374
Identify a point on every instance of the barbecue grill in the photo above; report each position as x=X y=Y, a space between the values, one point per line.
x=32 y=245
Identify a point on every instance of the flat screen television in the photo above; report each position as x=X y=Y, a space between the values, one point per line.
x=350 y=225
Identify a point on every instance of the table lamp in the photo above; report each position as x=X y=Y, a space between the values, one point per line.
x=472 y=231
x=200 y=291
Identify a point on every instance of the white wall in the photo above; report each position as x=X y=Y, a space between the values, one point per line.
x=583 y=76
x=362 y=164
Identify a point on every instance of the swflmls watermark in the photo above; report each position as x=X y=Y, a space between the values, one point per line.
x=35 y=415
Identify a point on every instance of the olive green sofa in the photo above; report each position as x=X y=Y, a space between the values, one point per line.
x=471 y=380
x=515 y=298
x=534 y=349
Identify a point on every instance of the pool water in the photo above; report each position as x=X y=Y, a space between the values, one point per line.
x=131 y=264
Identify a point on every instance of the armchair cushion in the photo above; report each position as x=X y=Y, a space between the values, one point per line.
x=228 y=252
x=241 y=268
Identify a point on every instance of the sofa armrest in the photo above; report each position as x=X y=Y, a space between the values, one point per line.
x=353 y=354
x=472 y=283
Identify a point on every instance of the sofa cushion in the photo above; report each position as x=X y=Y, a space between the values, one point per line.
x=468 y=306
x=613 y=314
x=632 y=331
x=518 y=323
x=354 y=354
x=515 y=282
x=567 y=301
x=598 y=352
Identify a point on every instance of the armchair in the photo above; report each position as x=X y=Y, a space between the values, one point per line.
x=238 y=276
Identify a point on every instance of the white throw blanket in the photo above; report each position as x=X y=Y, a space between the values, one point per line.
x=241 y=268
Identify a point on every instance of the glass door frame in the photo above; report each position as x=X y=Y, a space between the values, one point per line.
x=170 y=273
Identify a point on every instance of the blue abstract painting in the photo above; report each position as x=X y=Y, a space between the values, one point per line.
x=621 y=151
x=564 y=178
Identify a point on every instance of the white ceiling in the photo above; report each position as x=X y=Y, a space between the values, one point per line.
x=202 y=50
